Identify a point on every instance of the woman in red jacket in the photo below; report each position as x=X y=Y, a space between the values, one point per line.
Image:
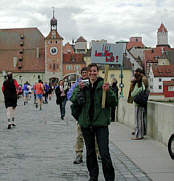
x=9 y=89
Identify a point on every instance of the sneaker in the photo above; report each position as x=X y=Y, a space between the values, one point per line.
x=9 y=126
x=62 y=117
x=78 y=160
x=134 y=138
x=13 y=124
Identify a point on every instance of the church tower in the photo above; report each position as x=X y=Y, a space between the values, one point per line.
x=53 y=53
x=162 y=36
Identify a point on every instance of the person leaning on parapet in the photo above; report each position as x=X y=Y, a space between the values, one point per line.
x=136 y=87
x=9 y=89
x=94 y=121
x=146 y=84
x=79 y=139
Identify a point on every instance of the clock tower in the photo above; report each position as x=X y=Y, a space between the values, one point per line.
x=53 y=52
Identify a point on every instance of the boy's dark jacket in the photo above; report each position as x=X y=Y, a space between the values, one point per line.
x=101 y=117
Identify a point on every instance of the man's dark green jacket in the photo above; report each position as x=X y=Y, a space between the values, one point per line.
x=101 y=117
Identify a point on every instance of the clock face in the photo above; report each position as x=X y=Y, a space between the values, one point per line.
x=53 y=50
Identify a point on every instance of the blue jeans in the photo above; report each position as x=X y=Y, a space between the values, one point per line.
x=102 y=136
x=62 y=107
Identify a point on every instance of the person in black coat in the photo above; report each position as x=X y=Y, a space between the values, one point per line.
x=115 y=90
x=61 y=97
x=9 y=89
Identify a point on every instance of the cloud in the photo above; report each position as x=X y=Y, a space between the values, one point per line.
x=113 y=20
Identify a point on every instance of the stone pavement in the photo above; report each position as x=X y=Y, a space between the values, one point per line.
x=41 y=148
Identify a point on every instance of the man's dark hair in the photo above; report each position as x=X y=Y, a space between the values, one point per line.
x=93 y=65
x=143 y=72
x=84 y=69
x=139 y=70
x=9 y=75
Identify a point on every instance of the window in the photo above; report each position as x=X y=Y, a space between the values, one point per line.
x=54 y=66
x=76 y=67
x=22 y=37
x=112 y=76
x=20 y=59
x=49 y=42
x=21 y=43
x=53 y=35
x=171 y=88
x=160 y=87
x=69 y=67
x=21 y=51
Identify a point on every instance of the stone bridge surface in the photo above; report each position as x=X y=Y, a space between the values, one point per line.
x=41 y=148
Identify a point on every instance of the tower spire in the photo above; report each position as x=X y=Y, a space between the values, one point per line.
x=53 y=22
x=53 y=11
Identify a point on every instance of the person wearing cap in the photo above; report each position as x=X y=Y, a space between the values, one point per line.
x=9 y=89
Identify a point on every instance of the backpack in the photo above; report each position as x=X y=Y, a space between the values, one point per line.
x=141 y=98
x=75 y=110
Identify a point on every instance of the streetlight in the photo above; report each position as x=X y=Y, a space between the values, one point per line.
x=121 y=85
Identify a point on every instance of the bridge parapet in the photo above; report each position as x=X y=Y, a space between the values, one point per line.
x=160 y=118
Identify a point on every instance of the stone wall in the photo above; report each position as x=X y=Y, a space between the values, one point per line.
x=160 y=118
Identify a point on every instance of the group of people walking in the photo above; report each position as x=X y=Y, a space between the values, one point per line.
x=92 y=120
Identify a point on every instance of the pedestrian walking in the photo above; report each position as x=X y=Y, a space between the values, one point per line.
x=94 y=121
x=50 y=91
x=9 y=89
x=114 y=109
x=61 y=98
x=79 y=145
x=26 y=92
x=136 y=87
x=46 y=89
x=39 y=94
x=34 y=92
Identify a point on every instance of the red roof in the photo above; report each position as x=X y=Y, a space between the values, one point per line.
x=81 y=39
x=153 y=54
x=163 y=70
x=135 y=42
x=73 y=58
x=67 y=48
x=168 y=82
x=162 y=28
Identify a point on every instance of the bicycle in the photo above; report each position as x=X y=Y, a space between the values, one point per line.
x=171 y=146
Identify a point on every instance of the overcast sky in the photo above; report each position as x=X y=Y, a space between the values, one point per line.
x=112 y=20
